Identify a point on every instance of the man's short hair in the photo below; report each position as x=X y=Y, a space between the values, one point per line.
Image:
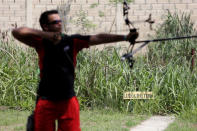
x=44 y=17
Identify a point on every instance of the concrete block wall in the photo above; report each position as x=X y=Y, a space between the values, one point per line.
x=11 y=12
x=106 y=17
x=100 y=14
x=140 y=9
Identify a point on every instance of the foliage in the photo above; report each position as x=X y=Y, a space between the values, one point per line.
x=185 y=122
x=101 y=14
x=177 y=51
x=173 y=60
x=165 y=71
x=18 y=71
x=93 y=5
x=83 y=24
x=102 y=78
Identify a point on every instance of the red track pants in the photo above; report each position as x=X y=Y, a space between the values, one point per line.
x=66 y=112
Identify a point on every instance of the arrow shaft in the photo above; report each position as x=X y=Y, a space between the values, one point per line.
x=167 y=39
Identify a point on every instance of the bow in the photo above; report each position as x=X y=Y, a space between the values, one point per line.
x=132 y=28
x=129 y=56
x=130 y=25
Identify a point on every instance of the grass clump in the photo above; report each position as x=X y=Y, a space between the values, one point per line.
x=19 y=75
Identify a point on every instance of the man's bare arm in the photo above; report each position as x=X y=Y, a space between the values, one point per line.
x=26 y=35
x=108 y=38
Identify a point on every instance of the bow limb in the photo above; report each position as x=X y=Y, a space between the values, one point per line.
x=130 y=25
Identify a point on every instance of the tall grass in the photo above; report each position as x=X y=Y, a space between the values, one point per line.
x=18 y=75
x=177 y=51
x=102 y=81
x=102 y=78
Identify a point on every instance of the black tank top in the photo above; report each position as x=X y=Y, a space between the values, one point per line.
x=57 y=82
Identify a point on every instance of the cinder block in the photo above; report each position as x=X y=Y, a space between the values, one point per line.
x=153 y=12
x=139 y=1
x=36 y=13
x=19 y=1
x=22 y=6
x=4 y=18
x=139 y=12
x=174 y=1
x=145 y=6
x=93 y=13
x=35 y=2
x=169 y=6
x=92 y=1
x=151 y=1
x=157 y=6
x=57 y=2
x=98 y=19
x=45 y=2
x=4 y=7
x=135 y=6
x=39 y=7
x=15 y=7
x=102 y=8
x=80 y=1
x=107 y=13
x=192 y=6
x=160 y=13
x=8 y=1
x=23 y=19
x=107 y=7
x=163 y=1
x=90 y=18
x=110 y=19
x=20 y=13
x=194 y=18
x=187 y=1
x=83 y=6
x=113 y=12
x=75 y=7
x=15 y=19
x=194 y=1
x=181 y=6
x=103 y=2
x=134 y=18
x=50 y=7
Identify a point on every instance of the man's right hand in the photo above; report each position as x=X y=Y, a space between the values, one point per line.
x=56 y=37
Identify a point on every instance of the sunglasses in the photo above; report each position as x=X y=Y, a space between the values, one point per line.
x=55 y=22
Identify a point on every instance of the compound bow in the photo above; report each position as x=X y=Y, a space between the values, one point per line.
x=130 y=24
x=132 y=28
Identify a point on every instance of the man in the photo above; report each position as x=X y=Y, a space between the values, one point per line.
x=57 y=59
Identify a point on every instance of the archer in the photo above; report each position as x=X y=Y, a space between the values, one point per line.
x=56 y=99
